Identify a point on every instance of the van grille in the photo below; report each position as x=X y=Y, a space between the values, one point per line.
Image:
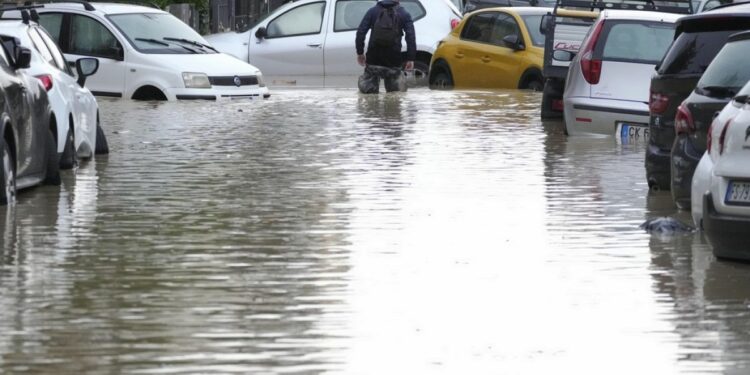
x=229 y=81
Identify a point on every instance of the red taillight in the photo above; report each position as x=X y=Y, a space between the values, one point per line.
x=723 y=136
x=683 y=122
x=590 y=67
x=46 y=81
x=454 y=23
x=658 y=102
x=557 y=105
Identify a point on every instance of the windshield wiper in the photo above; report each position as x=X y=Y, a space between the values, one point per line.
x=719 y=91
x=154 y=41
x=188 y=41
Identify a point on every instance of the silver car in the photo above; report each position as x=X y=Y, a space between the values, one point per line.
x=607 y=87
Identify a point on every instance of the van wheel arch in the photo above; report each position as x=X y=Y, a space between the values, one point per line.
x=532 y=79
x=148 y=92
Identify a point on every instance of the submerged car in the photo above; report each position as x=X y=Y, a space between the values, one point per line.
x=316 y=38
x=27 y=150
x=722 y=80
x=606 y=91
x=720 y=195
x=492 y=48
x=147 y=54
x=74 y=108
x=698 y=38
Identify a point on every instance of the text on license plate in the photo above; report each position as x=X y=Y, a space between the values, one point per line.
x=738 y=192
x=631 y=132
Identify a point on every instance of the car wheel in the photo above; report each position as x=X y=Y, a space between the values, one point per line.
x=441 y=81
x=8 y=178
x=69 y=158
x=420 y=75
x=535 y=85
x=102 y=147
x=52 y=176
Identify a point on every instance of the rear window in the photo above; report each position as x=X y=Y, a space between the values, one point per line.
x=691 y=52
x=728 y=72
x=638 y=41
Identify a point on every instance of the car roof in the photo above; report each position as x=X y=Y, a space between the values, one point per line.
x=17 y=23
x=640 y=15
x=525 y=11
x=105 y=8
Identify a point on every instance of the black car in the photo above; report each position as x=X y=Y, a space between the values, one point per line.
x=722 y=80
x=698 y=38
x=28 y=155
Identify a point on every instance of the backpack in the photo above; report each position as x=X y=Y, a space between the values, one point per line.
x=386 y=31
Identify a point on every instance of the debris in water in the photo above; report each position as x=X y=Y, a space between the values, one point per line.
x=666 y=225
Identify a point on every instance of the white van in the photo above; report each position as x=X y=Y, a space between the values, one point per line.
x=147 y=54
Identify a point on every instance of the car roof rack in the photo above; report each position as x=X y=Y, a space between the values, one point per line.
x=86 y=4
x=28 y=12
x=672 y=6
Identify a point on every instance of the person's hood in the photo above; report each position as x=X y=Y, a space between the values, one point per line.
x=388 y=3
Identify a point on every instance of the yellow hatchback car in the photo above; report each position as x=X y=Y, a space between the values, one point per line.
x=499 y=48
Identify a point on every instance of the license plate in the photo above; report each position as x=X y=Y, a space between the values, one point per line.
x=738 y=193
x=632 y=132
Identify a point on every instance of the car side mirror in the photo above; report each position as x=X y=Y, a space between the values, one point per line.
x=23 y=58
x=85 y=67
x=261 y=33
x=545 y=23
x=563 y=55
x=513 y=41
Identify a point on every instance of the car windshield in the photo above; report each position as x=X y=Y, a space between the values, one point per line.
x=160 y=33
x=532 y=25
x=726 y=74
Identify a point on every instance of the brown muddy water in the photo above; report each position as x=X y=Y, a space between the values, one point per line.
x=322 y=231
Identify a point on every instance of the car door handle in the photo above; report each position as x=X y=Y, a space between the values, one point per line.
x=486 y=59
x=459 y=55
x=314 y=45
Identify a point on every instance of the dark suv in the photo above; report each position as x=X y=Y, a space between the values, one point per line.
x=719 y=84
x=698 y=38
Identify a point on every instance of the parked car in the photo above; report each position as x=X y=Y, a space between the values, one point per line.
x=147 y=54
x=700 y=6
x=492 y=48
x=720 y=195
x=316 y=38
x=27 y=150
x=472 y=5
x=698 y=38
x=722 y=80
x=606 y=91
x=74 y=108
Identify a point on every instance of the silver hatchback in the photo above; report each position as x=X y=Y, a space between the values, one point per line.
x=607 y=87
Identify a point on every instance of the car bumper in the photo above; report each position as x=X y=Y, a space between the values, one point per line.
x=657 y=167
x=684 y=160
x=219 y=93
x=726 y=234
x=584 y=115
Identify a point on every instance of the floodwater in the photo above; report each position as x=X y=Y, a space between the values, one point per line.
x=323 y=231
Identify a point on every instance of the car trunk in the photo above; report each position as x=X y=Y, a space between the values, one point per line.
x=703 y=109
x=674 y=87
x=623 y=81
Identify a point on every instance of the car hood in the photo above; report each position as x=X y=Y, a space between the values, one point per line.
x=213 y=64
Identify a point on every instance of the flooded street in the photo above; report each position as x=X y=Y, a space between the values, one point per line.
x=323 y=231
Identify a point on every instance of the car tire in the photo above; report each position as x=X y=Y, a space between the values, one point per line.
x=421 y=75
x=102 y=147
x=550 y=90
x=7 y=175
x=52 y=175
x=68 y=159
x=441 y=80
x=535 y=85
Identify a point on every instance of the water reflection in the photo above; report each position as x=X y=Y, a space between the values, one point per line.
x=328 y=231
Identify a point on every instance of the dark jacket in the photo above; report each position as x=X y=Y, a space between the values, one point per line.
x=389 y=56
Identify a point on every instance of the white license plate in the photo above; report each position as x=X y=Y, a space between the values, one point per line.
x=631 y=132
x=738 y=193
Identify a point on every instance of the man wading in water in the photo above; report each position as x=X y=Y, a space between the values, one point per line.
x=389 y=22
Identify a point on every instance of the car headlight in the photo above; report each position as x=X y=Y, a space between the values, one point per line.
x=261 y=81
x=196 y=80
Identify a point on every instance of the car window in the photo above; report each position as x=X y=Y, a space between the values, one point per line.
x=39 y=45
x=302 y=20
x=89 y=37
x=54 y=49
x=691 y=52
x=52 y=22
x=414 y=8
x=727 y=70
x=479 y=27
x=532 y=26
x=349 y=14
x=504 y=25
x=641 y=42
